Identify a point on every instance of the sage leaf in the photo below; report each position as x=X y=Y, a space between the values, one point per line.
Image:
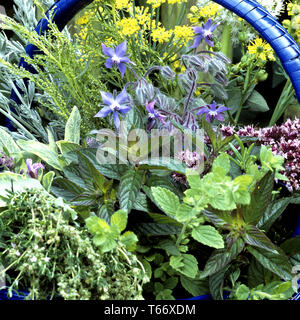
x=72 y=130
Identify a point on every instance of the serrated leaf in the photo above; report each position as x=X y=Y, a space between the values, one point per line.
x=221 y=258
x=275 y=262
x=216 y=283
x=141 y=203
x=222 y=161
x=195 y=287
x=169 y=164
x=185 y=212
x=257 y=273
x=156 y=229
x=254 y=237
x=242 y=292
x=130 y=240
x=163 y=182
x=96 y=225
x=169 y=246
x=106 y=211
x=260 y=198
x=186 y=264
x=94 y=174
x=73 y=189
x=119 y=218
x=193 y=179
x=166 y=200
x=163 y=219
x=208 y=236
x=112 y=171
x=129 y=188
x=72 y=130
x=218 y=218
x=273 y=212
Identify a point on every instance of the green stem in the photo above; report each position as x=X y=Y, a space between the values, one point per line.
x=182 y=233
x=226 y=43
x=282 y=104
x=245 y=89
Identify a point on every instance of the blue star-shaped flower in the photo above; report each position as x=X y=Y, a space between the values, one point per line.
x=213 y=111
x=116 y=105
x=204 y=32
x=117 y=57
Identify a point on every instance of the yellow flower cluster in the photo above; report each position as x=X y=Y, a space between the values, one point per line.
x=261 y=50
x=293 y=25
x=161 y=35
x=122 y=4
x=156 y=3
x=203 y=13
x=176 y=1
x=128 y=26
x=183 y=34
x=142 y=15
x=84 y=19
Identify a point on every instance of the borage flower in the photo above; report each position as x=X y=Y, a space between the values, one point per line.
x=204 y=32
x=116 y=57
x=213 y=111
x=33 y=169
x=153 y=115
x=117 y=104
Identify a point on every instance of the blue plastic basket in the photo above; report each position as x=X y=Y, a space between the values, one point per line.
x=269 y=28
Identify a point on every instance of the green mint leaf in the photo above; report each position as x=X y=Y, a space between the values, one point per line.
x=186 y=264
x=166 y=200
x=119 y=219
x=209 y=236
x=129 y=188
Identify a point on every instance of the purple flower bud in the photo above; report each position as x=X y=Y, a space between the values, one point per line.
x=167 y=73
x=198 y=63
x=33 y=168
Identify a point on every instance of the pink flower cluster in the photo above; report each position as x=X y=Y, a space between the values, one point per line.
x=284 y=140
x=191 y=159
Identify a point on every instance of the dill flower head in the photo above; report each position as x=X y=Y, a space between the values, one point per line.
x=161 y=35
x=183 y=34
x=261 y=50
x=122 y=4
x=155 y=3
x=128 y=26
